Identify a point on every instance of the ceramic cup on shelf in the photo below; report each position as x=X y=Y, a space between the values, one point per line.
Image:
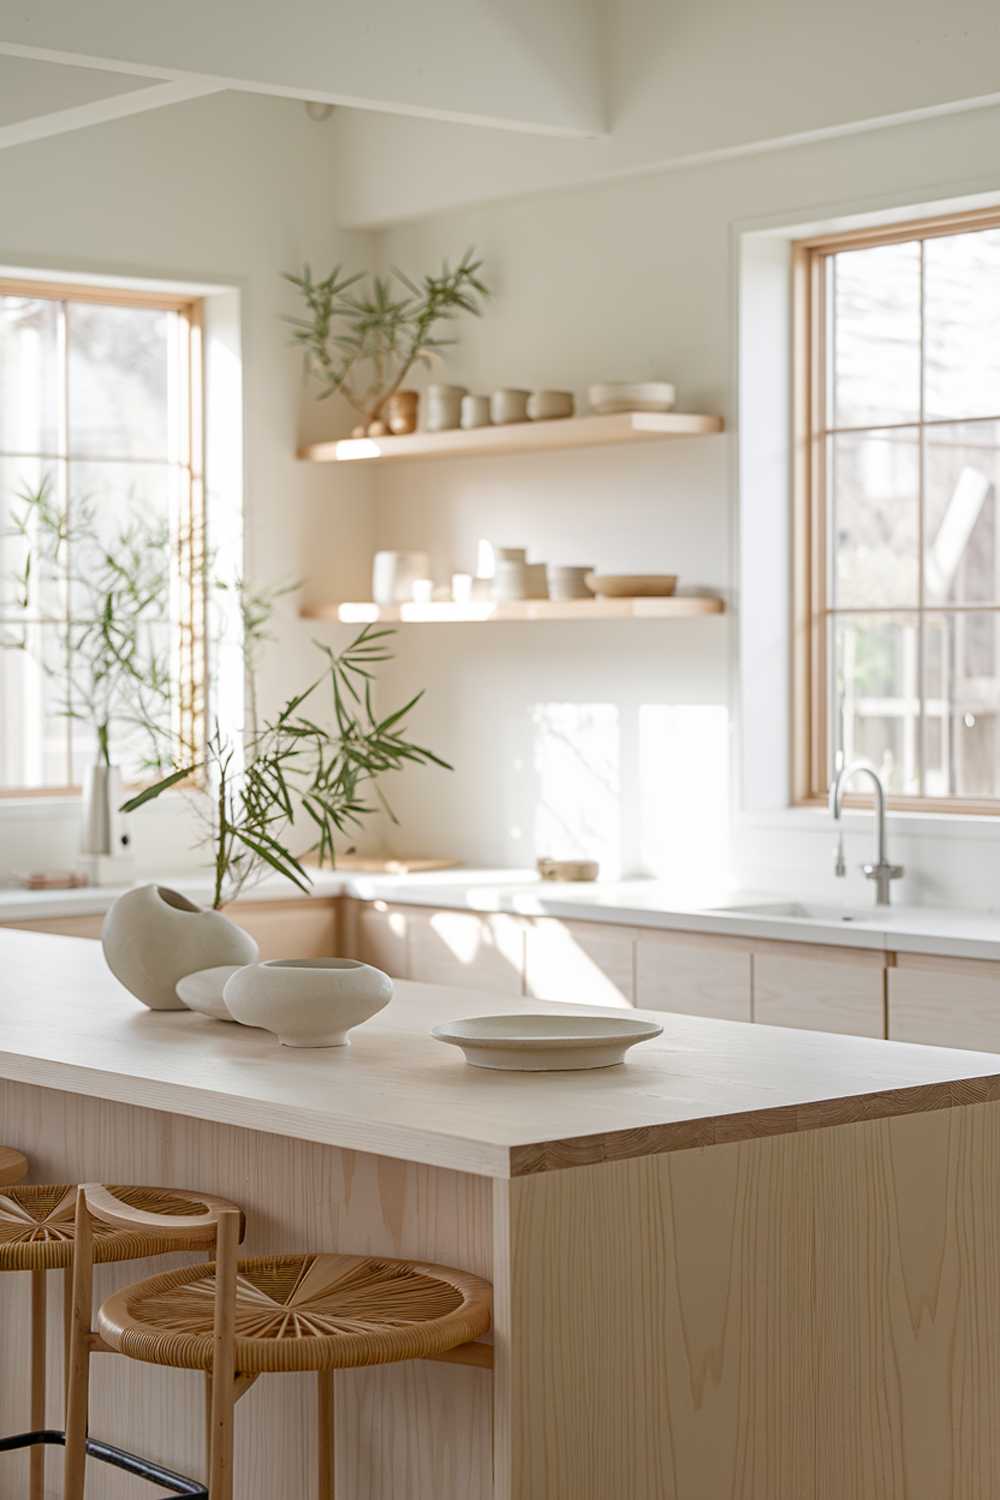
x=394 y=574
x=509 y=405
x=543 y=406
x=568 y=582
x=443 y=408
x=153 y=936
x=308 y=1002
x=476 y=411
x=401 y=412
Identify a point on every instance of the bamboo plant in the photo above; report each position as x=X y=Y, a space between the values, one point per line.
x=361 y=342
x=292 y=771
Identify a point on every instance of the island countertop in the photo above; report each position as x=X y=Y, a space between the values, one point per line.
x=66 y=1023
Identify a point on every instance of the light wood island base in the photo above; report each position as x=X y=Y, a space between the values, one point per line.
x=754 y=1264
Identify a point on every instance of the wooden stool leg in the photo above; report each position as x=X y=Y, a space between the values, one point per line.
x=36 y=1486
x=220 y=1482
x=78 y=1394
x=67 y=1332
x=324 y=1435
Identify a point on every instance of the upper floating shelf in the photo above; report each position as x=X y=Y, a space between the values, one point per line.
x=519 y=437
x=489 y=611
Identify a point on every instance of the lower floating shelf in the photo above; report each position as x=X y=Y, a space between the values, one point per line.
x=491 y=612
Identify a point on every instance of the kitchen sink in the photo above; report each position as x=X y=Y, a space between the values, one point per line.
x=801 y=911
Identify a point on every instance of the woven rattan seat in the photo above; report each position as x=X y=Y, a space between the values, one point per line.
x=36 y=1226
x=301 y=1312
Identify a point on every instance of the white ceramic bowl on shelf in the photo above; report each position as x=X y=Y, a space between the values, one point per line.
x=639 y=395
x=308 y=1002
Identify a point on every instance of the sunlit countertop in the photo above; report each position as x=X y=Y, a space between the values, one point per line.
x=633 y=903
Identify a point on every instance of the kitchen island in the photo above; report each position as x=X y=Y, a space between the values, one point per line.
x=752 y=1262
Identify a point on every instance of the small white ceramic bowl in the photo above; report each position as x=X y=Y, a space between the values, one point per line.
x=307 y=1002
x=203 y=990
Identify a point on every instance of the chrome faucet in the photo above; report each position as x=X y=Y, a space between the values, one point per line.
x=882 y=872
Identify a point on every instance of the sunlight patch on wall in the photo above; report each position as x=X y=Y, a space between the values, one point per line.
x=684 y=793
x=577 y=761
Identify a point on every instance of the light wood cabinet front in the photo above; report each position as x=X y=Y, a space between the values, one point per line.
x=583 y=963
x=289 y=929
x=462 y=947
x=828 y=992
x=692 y=975
x=944 y=1004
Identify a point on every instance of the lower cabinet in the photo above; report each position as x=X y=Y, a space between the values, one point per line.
x=821 y=989
x=290 y=929
x=583 y=963
x=945 y=1002
x=693 y=975
x=481 y=951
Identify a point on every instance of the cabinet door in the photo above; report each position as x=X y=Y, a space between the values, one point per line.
x=85 y=927
x=381 y=937
x=464 y=947
x=694 y=975
x=825 y=992
x=290 y=929
x=946 y=1005
x=584 y=963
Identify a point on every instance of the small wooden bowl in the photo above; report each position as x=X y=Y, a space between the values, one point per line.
x=632 y=585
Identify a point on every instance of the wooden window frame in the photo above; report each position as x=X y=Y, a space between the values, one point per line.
x=810 y=757
x=192 y=663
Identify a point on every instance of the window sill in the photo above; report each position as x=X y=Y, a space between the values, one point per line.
x=817 y=819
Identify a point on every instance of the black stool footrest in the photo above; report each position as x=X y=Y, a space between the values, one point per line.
x=107 y=1453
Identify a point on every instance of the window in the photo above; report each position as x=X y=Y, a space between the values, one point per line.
x=100 y=401
x=897 y=623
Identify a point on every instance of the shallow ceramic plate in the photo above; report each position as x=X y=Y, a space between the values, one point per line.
x=202 y=991
x=632 y=585
x=551 y=1043
x=641 y=395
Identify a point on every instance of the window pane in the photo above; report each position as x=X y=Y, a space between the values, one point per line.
x=45 y=587
x=120 y=383
x=875 y=708
x=962 y=687
x=874 y=484
x=29 y=375
x=33 y=733
x=962 y=301
x=876 y=346
x=121 y=495
x=962 y=559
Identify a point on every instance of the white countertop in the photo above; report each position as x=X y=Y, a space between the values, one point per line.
x=66 y=1023
x=634 y=903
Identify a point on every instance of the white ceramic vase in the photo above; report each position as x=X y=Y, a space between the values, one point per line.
x=105 y=840
x=152 y=937
x=308 y=1002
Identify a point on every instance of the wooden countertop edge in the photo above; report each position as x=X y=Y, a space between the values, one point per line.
x=686 y=1135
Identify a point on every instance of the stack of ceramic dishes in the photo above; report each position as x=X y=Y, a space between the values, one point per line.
x=568 y=582
x=641 y=395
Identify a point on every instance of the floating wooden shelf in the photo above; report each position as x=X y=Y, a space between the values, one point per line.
x=488 y=612
x=519 y=437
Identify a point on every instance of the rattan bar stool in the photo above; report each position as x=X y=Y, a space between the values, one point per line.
x=37 y=1234
x=275 y=1314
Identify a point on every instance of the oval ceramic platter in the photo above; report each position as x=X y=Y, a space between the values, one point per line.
x=545 y=1043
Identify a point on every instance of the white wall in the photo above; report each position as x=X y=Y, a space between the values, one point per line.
x=226 y=189
x=634 y=278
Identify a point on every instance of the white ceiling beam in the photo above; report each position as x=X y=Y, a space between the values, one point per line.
x=517 y=64
x=98 y=111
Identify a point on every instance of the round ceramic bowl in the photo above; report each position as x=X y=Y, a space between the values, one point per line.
x=546 y=1043
x=203 y=990
x=307 y=1002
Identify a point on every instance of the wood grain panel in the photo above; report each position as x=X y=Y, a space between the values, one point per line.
x=677 y=972
x=820 y=994
x=393 y=1427
x=382 y=938
x=805 y=1318
x=584 y=963
x=290 y=929
x=484 y=952
x=83 y=927
x=946 y=1008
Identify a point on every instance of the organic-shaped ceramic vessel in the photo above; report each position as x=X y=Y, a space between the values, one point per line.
x=152 y=937
x=308 y=1002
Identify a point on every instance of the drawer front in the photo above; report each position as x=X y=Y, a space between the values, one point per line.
x=581 y=963
x=292 y=929
x=460 y=947
x=945 y=1009
x=694 y=979
x=381 y=937
x=819 y=994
